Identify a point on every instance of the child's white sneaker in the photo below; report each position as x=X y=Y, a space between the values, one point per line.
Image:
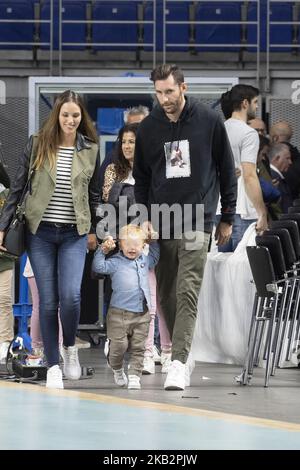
x=71 y=368
x=156 y=355
x=54 y=378
x=134 y=382
x=165 y=359
x=149 y=365
x=120 y=377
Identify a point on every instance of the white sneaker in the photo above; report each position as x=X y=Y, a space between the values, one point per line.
x=3 y=351
x=149 y=365
x=71 y=368
x=189 y=367
x=165 y=360
x=54 y=378
x=156 y=355
x=176 y=376
x=134 y=382
x=120 y=377
x=81 y=344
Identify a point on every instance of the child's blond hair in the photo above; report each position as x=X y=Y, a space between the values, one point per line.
x=132 y=231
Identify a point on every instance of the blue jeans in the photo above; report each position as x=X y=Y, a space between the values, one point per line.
x=57 y=256
x=239 y=227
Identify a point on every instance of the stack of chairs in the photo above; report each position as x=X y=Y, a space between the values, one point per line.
x=275 y=323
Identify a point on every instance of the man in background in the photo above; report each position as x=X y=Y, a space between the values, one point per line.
x=242 y=100
x=282 y=132
x=258 y=125
x=280 y=162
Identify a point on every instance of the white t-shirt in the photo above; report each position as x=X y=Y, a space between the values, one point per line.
x=129 y=179
x=244 y=143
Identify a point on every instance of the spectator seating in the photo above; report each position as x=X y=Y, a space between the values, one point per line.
x=177 y=33
x=252 y=29
x=71 y=33
x=129 y=36
x=110 y=33
x=281 y=34
x=18 y=32
x=148 y=29
x=215 y=33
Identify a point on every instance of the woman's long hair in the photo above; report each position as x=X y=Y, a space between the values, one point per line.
x=122 y=166
x=49 y=135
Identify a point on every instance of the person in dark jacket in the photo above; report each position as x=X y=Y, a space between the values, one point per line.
x=280 y=161
x=4 y=178
x=60 y=207
x=6 y=278
x=183 y=123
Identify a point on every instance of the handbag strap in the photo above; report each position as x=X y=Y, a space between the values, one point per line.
x=22 y=198
x=30 y=173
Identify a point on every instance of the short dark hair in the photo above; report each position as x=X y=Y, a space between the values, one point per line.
x=162 y=72
x=226 y=104
x=232 y=100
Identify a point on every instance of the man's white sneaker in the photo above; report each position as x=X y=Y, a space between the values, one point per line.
x=134 y=382
x=156 y=355
x=189 y=367
x=71 y=368
x=120 y=377
x=165 y=359
x=54 y=378
x=176 y=376
x=3 y=351
x=149 y=365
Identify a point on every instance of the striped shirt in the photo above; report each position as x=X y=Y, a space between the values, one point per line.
x=60 y=208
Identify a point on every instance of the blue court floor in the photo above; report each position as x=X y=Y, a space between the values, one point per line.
x=33 y=417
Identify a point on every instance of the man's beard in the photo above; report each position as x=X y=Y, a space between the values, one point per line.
x=174 y=107
x=251 y=115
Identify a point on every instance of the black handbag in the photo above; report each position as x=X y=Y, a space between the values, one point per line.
x=14 y=238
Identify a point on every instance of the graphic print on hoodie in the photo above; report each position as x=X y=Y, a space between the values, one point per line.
x=178 y=161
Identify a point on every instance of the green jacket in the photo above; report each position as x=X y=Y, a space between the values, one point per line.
x=84 y=182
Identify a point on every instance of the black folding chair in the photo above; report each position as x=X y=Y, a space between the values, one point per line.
x=285 y=318
x=294 y=210
x=296 y=202
x=268 y=268
x=294 y=326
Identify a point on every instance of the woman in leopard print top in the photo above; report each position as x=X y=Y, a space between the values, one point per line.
x=121 y=170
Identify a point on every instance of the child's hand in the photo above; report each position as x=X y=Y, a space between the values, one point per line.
x=108 y=245
x=153 y=236
x=149 y=231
